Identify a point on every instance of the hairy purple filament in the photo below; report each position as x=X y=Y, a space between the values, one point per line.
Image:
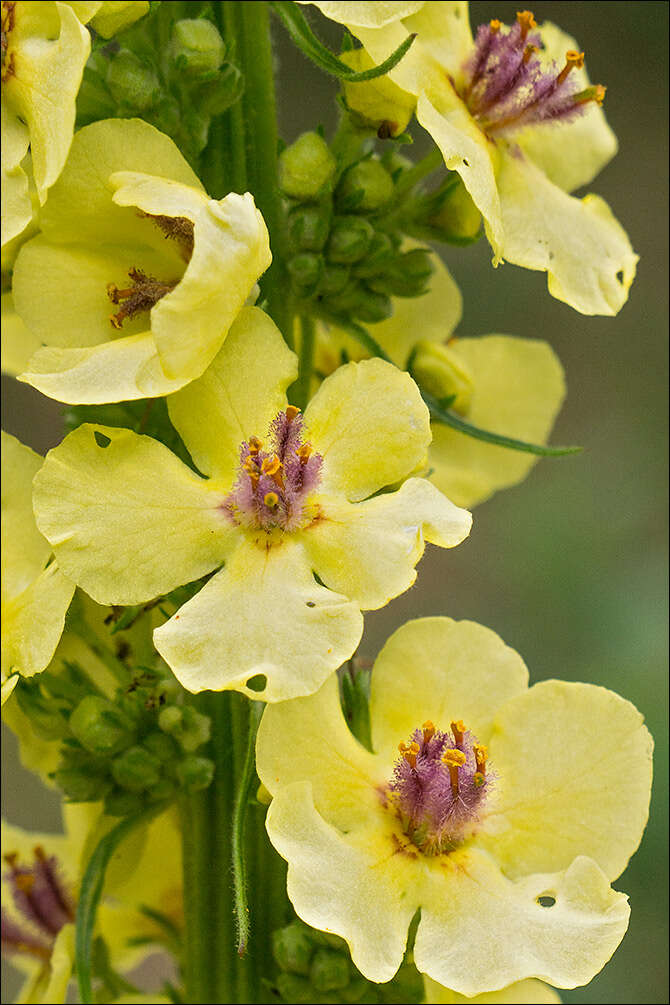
x=507 y=87
x=273 y=486
x=438 y=802
x=42 y=904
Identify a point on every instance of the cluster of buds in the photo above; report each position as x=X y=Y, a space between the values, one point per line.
x=131 y=751
x=317 y=967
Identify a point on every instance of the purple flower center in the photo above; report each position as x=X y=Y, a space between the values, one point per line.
x=42 y=903
x=507 y=87
x=273 y=485
x=439 y=787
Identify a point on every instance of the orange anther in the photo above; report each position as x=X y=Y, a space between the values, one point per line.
x=291 y=412
x=458 y=728
x=428 y=730
x=271 y=499
x=271 y=465
x=573 y=59
x=526 y=21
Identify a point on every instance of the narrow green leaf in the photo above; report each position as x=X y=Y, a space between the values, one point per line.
x=449 y=419
x=302 y=35
x=359 y=333
x=89 y=898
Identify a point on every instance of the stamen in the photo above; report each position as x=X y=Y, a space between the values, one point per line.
x=271 y=465
x=495 y=26
x=574 y=60
x=481 y=754
x=176 y=228
x=409 y=752
x=458 y=729
x=271 y=499
x=526 y=21
x=428 y=730
x=255 y=445
x=291 y=412
x=140 y=297
x=596 y=93
x=305 y=452
x=529 y=51
x=454 y=759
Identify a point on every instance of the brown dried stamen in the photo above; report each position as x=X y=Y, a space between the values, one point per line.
x=176 y=228
x=141 y=296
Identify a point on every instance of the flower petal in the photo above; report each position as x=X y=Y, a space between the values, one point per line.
x=128 y=521
x=18 y=342
x=574 y=775
x=24 y=550
x=529 y=992
x=443 y=670
x=307 y=739
x=578 y=242
x=443 y=30
x=367 y=15
x=16 y=203
x=279 y=623
x=353 y=886
x=509 y=934
x=371 y=426
x=238 y=395
x=518 y=388
x=33 y=622
x=157 y=196
x=368 y=551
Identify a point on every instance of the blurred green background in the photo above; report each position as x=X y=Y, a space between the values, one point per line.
x=569 y=567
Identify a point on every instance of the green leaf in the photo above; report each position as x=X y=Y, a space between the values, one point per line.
x=439 y=413
x=89 y=898
x=302 y=35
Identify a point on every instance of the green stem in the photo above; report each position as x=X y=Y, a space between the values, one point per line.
x=299 y=392
x=431 y=162
x=81 y=628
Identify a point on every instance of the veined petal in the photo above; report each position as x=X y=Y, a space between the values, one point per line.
x=24 y=550
x=278 y=622
x=509 y=934
x=18 y=342
x=518 y=388
x=529 y=992
x=307 y=739
x=43 y=87
x=366 y=15
x=574 y=769
x=33 y=622
x=60 y=290
x=571 y=154
x=231 y=251
x=578 y=242
x=466 y=150
x=238 y=395
x=124 y=369
x=371 y=426
x=128 y=521
x=356 y=886
x=368 y=550
x=443 y=670
x=97 y=152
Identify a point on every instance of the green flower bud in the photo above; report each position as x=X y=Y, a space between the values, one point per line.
x=458 y=219
x=365 y=187
x=305 y=270
x=350 y=240
x=308 y=228
x=161 y=746
x=292 y=948
x=162 y=792
x=374 y=307
x=379 y=103
x=306 y=167
x=333 y=280
x=405 y=276
x=82 y=784
x=195 y=729
x=131 y=82
x=329 y=970
x=196 y=46
x=195 y=773
x=380 y=252
x=119 y=803
x=136 y=769
x=295 y=989
x=441 y=373
x=99 y=727
x=169 y=720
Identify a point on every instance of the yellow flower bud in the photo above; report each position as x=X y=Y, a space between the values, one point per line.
x=441 y=373
x=379 y=103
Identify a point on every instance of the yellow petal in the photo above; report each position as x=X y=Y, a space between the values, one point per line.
x=368 y=15
x=307 y=739
x=18 y=342
x=33 y=623
x=443 y=670
x=128 y=521
x=509 y=935
x=157 y=196
x=115 y=15
x=238 y=396
x=518 y=388
x=24 y=550
x=584 y=250
x=371 y=426
x=574 y=773
x=50 y=985
x=443 y=30
x=529 y=992
x=16 y=204
x=279 y=623
x=571 y=154
x=231 y=251
x=368 y=551
x=350 y=885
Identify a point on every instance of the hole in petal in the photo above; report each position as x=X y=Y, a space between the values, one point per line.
x=545 y=900
x=466 y=163
x=310 y=603
x=619 y=276
x=257 y=682
x=101 y=439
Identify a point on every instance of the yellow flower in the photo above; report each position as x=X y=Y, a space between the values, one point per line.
x=505 y=384
x=512 y=111
x=285 y=498
x=40 y=883
x=527 y=992
x=137 y=275
x=504 y=817
x=35 y=593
